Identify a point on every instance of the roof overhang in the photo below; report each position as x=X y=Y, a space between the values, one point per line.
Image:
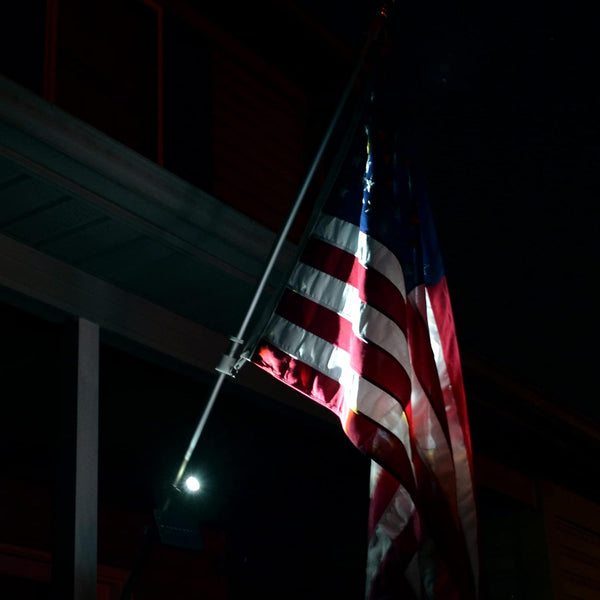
x=93 y=229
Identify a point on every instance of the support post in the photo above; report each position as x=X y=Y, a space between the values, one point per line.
x=74 y=556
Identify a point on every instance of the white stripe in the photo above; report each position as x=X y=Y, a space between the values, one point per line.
x=328 y=291
x=313 y=350
x=368 y=323
x=369 y=252
x=464 y=485
x=379 y=544
x=391 y=524
x=398 y=512
x=428 y=433
x=360 y=395
x=430 y=440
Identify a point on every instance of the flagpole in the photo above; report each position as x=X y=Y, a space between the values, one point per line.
x=228 y=361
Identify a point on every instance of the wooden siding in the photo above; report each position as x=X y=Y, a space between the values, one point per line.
x=259 y=142
x=573 y=531
x=26 y=545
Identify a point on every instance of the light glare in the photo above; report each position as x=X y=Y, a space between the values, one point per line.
x=192 y=484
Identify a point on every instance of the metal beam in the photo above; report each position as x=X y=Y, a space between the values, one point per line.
x=75 y=292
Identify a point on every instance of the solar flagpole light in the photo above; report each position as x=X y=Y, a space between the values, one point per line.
x=192 y=484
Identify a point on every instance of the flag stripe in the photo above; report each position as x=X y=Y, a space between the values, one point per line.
x=371 y=253
x=448 y=537
x=430 y=499
x=425 y=368
x=367 y=360
x=301 y=376
x=454 y=393
x=374 y=288
x=368 y=323
x=395 y=584
x=392 y=455
x=439 y=300
x=427 y=434
x=328 y=367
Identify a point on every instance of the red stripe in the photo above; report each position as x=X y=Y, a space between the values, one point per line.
x=381 y=496
x=316 y=318
x=374 y=288
x=435 y=501
x=300 y=376
x=391 y=580
x=442 y=309
x=369 y=360
x=430 y=501
x=424 y=365
x=442 y=525
x=385 y=449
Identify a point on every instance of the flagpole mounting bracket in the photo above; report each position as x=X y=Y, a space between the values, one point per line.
x=228 y=362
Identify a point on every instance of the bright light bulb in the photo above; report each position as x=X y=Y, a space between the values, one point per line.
x=192 y=484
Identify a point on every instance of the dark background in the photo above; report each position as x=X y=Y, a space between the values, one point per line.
x=503 y=99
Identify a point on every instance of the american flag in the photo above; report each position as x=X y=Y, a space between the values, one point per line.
x=365 y=328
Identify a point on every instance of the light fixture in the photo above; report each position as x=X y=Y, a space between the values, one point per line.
x=192 y=484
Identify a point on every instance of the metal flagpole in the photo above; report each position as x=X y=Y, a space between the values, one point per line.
x=228 y=360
